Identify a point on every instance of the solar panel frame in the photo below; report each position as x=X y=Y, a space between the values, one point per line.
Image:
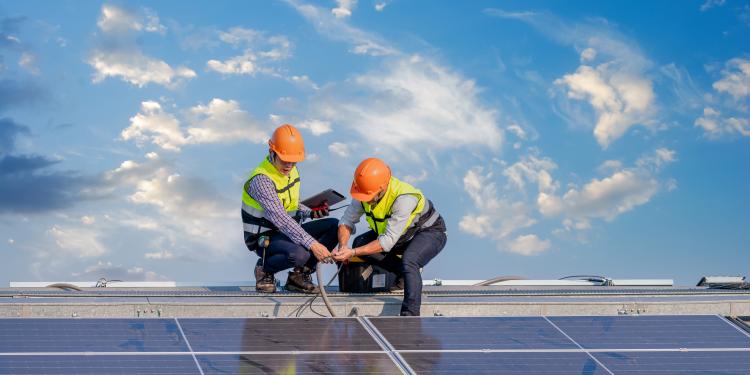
x=98 y=364
x=676 y=362
x=299 y=363
x=479 y=333
x=651 y=332
x=277 y=334
x=90 y=335
x=492 y=362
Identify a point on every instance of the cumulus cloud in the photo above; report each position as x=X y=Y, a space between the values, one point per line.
x=608 y=197
x=77 y=242
x=27 y=61
x=726 y=113
x=528 y=244
x=735 y=79
x=531 y=169
x=316 y=127
x=187 y=208
x=344 y=8
x=118 y=54
x=223 y=121
x=620 y=99
x=259 y=51
x=154 y=124
x=114 y=19
x=715 y=125
x=493 y=217
x=134 y=67
x=415 y=105
x=220 y=121
x=339 y=149
x=613 y=78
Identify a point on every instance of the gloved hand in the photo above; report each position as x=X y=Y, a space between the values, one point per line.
x=320 y=211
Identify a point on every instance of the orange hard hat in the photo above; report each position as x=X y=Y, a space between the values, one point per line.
x=371 y=177
x=288 y=144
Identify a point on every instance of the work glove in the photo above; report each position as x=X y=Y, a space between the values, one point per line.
x=320 y=211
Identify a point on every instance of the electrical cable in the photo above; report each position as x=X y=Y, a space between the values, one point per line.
x=321 y=292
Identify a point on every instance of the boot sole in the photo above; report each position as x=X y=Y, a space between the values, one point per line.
x=293 y=288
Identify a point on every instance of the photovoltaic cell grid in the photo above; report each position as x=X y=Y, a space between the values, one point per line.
x=608 y=345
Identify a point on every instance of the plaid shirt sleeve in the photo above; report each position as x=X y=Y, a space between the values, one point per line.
x=263 y=190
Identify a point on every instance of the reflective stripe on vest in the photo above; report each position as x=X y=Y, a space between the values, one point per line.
x=287 y=188
x=378 y=216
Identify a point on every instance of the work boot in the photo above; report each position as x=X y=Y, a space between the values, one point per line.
x=264 y=281
x=398 y=285
x=300 y=280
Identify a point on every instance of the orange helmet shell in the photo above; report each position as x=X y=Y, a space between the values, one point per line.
x=288 y=144
x=371 y=176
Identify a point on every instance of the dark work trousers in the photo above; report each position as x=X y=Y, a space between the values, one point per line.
x=415 y=254
x=283 y=254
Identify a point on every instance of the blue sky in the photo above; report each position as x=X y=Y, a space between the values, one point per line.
x=556 y=138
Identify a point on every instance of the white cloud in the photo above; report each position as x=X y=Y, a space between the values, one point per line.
x=620 y=99
x=188 y=209
x=223 y=121
x=715 y=126
x=534 y=170
x=328 y=24
x=11 y=241
x=588 y=54
x=517 y=130
x=415 y=179
x=528 y=244
x=114 y=19
x=316 y=127
x=610 y=196
x=711 y=3
x=160 y=255
x=735 y=79
x=28 y=62
x=88 y=220
x=619 y=89
x=136 y=68
x=77 y=242
x=154 y=124
x=259 y=51
x=339 y=149
x=380 y=6
x=120 y=56
x=344 y=8
x=415 y=106
x=493 y=217
x=117 y=272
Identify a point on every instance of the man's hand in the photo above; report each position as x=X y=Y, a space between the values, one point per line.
x=343 y=254
x=321 y=252
x=320 y=211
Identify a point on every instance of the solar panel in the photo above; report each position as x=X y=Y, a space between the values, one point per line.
x=503 y=363
x=652 y=332
x=359 y=363
x=674 y=363
x=98 y=364
x=282 y=334
x=444 y=333
x=90 y=335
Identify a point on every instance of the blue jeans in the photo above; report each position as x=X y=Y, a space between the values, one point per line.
x=282 y=253
x=415 y=254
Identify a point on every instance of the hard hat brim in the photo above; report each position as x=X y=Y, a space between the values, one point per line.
x=360 y=196
x=291 y=158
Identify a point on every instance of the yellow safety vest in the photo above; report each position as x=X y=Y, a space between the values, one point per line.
x=377 y=216
x=287 y=187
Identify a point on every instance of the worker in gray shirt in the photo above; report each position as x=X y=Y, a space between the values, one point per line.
x=403 y=223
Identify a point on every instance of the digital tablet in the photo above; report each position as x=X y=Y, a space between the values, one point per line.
x=329 y=196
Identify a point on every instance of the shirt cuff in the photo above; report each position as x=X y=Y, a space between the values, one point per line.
x=307 y=242
x=385 y=243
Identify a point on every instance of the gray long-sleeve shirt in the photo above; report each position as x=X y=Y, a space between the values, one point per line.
x=402 y=208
